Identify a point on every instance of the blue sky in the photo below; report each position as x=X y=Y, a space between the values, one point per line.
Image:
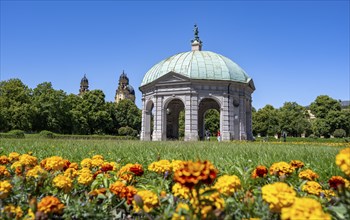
x=293 y=50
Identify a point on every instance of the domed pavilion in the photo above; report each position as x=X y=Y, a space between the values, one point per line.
x=196 y=81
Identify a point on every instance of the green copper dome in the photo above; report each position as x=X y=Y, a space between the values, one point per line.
x=198 y=64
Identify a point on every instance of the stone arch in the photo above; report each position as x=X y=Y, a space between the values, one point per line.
x=171 y=111
x=204 y=105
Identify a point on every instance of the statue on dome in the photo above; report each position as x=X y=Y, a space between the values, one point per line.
x=195 y=30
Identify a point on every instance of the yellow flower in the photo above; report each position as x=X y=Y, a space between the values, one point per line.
x=13 y=212
x=96 y=162
x=71 y=173
x=308 y=175
x=30 y=215
x=281 y=169
x=63 y=182
x=36 y=172
x=343 y=160
x=227 y=185
x=304 y=208
x=193 y=173
x=86 y=163
x=14 y=156
x=278 y=195
x=129 y=170
x=54 y=163
x=5 y=189
x=312 y=187
x=176 y=164
x=74 y=166
x=161 y=166
x=28 y=160
x=50 y=204
x=149 y=200
x=181 y=211
x=4 y=171
x=206 y=203
x=85 y=178
x=97 y=157
x=296 y=164
x=4 y=160
x=181 y=191
x=336 y=182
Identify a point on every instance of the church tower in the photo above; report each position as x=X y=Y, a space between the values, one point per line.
x=124 y=90
x=84 y=85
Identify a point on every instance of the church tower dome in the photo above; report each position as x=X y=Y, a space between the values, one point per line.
x=124 y=90
x=84 y=85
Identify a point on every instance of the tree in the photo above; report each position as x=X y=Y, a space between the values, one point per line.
x=320 y=127
x=338 y=120
x=51 y=112
x=293 y=119
x=265 y=121
x=212 y=121
x=15 y=105
x=324 y=104
x=128 y=115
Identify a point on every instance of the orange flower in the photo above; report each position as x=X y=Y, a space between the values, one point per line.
x=96 y=192
x=123 y=191
x=281 y=169
x=336 y=182
x=260 y=171
x=50 y=204
x=4 y=159
x=127 y=171
x=308 y=175
x=296 y=164
x=193 y=173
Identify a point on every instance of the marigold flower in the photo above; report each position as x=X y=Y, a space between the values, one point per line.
x=336 y=182
x=97 y=162
x=328 y=193
x=181 y=191
x=97 y=192
x=149 y=200
x=304 y=208
x=5 y=189
x=28 y=160
x=74 y=166
x=54 y=163
x=85 y=178
x=71 y=173
x=176 y=164
x=63 y=182
x=312 y=187
x=161 y=166
x=180 y=212
x=308 y=175
x=343 y=160
x=281 y=169
x=129 y=170
x=4 y=160
x=13 y=156
x=50 y=204
x=4 y=171
x=296 y=164
x=13 y=212
x=278 y=195
x=86 y=163
x=207 y=203
x=123 y=191
x=193 y=173
x=227 y=185
x=259 y=171
x=97 y=157
x=36 y=172
x=105 y=167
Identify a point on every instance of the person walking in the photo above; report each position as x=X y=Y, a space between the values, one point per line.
x=219 y=136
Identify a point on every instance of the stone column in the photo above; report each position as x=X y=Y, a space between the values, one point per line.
x=158 y=120
x=249 y=119
x=225 y=119
x=242 y=117
x=143 y=125
x=191 y=117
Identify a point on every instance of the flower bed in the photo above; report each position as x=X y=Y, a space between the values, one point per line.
x=56 y=188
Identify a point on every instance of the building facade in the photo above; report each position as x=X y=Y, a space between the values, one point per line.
x=84 y=85
x=195 y=82
x=124 y=90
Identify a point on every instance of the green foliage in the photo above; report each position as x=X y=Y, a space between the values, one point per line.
x=14 y=134
x=339 y=133
x=15 y=106
x=265 y=121
x=320 y=127
x=212 y=121
x=127 y=114
x=127 y=131
x=182 y=123
x=338 y=120
x=324 y=104
x=46 y=134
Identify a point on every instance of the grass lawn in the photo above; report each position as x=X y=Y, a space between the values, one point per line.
x=228 y=157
